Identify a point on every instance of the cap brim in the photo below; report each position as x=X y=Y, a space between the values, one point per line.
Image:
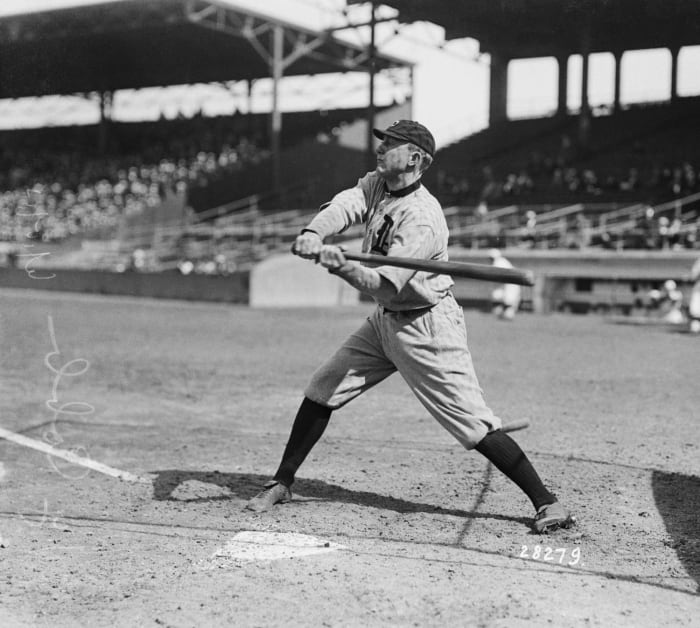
x=380 y=135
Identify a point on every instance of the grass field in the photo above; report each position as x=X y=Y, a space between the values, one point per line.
x=197 y=400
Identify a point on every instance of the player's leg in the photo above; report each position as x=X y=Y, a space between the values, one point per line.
x=511 y=302
x=358 y=365
x=694 y=310
x=445 y=382
x=497 y=304
x=507 y=456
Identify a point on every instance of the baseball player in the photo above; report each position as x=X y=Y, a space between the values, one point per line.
x=505 y=300
x=694 y=303
x=416 y=329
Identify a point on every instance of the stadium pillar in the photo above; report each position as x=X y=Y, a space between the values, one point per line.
x=498 y=88
x=563 y=63
x=371 y=163
x=584 y=125
x=674 y=73
x=249 y=102
x=105 y=119
x=617 y=54
x=276 y=116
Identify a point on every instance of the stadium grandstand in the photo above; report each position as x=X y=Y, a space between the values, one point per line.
x=123 y=182
x=217 y=194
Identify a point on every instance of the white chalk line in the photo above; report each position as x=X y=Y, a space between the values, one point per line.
x=71 y=457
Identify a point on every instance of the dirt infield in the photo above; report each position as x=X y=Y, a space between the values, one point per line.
x=392 y=523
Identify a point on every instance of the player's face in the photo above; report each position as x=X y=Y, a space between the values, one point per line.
x=393 y=157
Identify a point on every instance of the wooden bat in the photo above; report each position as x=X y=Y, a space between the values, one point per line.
x=484 y=272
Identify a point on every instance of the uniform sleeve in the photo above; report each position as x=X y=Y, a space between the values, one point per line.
x=411 y=239
x=345 y=209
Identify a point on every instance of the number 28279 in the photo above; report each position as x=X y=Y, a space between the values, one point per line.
x=560 y=555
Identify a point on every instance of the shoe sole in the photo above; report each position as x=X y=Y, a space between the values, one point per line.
x=555 y=525
x=266 y=505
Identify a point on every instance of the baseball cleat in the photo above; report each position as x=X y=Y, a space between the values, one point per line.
x=273 y=493
x=551 y=517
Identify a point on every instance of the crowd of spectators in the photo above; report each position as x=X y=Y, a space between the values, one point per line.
x=566 y=171
x=56 y=183
x=52 y=192
x=570 y=182
x=575 y=228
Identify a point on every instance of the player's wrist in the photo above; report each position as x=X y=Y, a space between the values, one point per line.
x=343 y=269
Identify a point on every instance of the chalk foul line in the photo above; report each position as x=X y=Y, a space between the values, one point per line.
x=71 y=457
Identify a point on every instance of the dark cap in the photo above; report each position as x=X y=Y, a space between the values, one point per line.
x=409 y=131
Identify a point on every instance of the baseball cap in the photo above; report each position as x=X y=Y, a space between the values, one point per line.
x=409 y=131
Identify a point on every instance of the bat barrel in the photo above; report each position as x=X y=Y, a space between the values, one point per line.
x=483 y=272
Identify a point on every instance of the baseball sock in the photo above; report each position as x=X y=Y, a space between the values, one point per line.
x=506 y=456
x=309 y=425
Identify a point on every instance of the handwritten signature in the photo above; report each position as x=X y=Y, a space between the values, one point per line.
x=72 y=368
x=45 y=518
x=33 y=257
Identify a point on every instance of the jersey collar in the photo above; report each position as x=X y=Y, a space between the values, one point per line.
x=403 y=191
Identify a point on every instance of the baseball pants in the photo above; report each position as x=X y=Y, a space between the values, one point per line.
x=429 y=349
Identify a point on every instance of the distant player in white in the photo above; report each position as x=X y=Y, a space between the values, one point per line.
x=505 y=300
x=674 y=312
x=694 y=304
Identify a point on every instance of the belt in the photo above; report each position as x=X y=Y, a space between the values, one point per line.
x=414 y=311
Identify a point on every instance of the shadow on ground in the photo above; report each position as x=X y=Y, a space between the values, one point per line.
x=246 y=485
x=678 y=500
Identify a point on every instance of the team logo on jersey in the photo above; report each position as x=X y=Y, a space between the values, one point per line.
x=381 y=244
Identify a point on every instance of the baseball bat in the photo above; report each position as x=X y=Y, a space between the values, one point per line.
x=483 y=272
x=515 y=426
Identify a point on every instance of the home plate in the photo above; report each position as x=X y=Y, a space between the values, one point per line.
x=251 y=546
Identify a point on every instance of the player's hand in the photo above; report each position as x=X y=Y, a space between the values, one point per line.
x=307 y=245
x=331 y=257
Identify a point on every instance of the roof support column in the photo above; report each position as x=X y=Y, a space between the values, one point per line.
x=249 y=95
x=498 y=88
x=371 y=162
x=674 y=74
x=617 y=54
x=563 y=63
x=106 y=98
x=584 y=125
x=276 y=117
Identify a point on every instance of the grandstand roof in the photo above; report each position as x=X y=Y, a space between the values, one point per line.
x=533 y=28
x=127 y=44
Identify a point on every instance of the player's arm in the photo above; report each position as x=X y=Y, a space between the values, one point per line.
x=382 y=282
x=362 y=278
x=345 y=209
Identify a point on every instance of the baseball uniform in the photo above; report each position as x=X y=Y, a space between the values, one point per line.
x=694 y=303
x=420 y=332
x=416 y=329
